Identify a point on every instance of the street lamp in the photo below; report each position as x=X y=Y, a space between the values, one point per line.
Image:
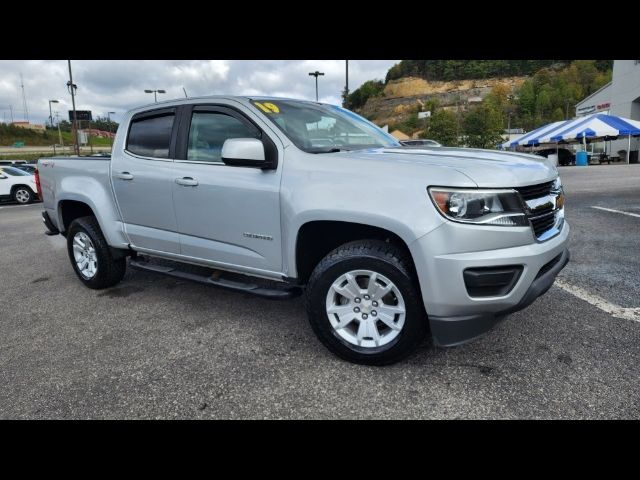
x=50 y=114
x=155 y=93
x=316 y=74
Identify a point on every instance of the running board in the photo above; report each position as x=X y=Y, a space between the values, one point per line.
x=277 y=293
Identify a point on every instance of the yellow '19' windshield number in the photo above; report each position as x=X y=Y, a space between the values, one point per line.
x=267 y=107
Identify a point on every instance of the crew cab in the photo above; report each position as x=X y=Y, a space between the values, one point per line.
x=280 y=197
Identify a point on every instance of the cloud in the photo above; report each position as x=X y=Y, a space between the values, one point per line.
x=118 y=85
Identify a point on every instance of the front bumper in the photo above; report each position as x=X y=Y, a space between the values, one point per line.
x=454 y=316
x=455 y=330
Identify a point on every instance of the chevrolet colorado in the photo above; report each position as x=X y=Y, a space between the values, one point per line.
x=278 y=197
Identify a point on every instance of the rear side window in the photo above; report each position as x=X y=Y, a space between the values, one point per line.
x=151 y=136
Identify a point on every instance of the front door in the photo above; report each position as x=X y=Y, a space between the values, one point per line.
x=142 y=175
x=228 y=215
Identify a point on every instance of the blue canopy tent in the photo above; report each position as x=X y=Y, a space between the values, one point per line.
x=595 y=126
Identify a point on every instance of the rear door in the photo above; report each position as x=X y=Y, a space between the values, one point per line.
x=228 y=215
x=5 y=183
x=142 y=176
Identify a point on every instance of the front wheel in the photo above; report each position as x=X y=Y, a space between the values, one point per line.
x=90 y=255
x=23 y=195
x=364 y=303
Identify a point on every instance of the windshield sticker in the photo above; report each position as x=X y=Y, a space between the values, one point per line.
x=267 y=107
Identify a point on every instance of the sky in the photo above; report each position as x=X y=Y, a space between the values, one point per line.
x=118 y=85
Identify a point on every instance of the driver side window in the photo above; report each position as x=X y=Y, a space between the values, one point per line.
x=208 y=132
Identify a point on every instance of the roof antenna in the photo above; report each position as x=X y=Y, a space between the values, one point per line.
x=185 y=93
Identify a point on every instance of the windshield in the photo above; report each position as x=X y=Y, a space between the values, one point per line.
x=318 y=128
x=14 y=172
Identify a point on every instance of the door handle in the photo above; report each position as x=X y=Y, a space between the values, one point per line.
x=124 y=176
x=187 y=181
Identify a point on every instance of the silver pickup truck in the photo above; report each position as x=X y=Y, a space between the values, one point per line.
x=278 y=197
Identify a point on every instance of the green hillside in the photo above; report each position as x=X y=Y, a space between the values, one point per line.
x=32 y=138
x=547 y=91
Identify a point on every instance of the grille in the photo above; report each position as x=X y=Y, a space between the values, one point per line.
x=535 y=191
x=544 y=218
x=542 y=223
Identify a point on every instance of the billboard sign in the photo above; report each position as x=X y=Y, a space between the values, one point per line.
x=80 y=115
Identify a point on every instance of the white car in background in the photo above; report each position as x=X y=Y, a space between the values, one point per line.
x=17 y=185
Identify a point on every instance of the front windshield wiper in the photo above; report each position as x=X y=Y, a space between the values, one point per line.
x=330 y=150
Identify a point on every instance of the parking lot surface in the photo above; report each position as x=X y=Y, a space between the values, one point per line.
x=157 y=347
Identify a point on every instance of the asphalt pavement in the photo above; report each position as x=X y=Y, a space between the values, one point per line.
x=157 y=347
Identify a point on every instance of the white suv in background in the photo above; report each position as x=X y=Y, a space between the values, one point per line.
x=17 y=185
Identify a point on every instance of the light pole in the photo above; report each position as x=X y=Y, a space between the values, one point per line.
x=316 y=74
x=51 y=114
x=59 y=132
x=155 y=93
x=109 y=123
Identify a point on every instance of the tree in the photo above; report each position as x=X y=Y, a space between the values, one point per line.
x=482 y=126
x=443 y=127
x=370 y=88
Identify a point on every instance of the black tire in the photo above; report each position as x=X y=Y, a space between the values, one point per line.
x=110 y=270
x=385 y=259
x=23 y=195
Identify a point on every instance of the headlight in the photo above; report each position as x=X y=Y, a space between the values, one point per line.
x=485 y=207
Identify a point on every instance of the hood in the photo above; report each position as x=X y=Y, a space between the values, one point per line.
x=486 y=168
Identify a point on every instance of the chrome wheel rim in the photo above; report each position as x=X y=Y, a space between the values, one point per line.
x=85 y=256
x=22 y=196
x=365 y=308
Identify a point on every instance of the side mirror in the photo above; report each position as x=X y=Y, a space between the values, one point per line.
x=3 y=176
x=244 y=152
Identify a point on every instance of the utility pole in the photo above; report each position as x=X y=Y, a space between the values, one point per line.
x=316 y=74
x=566 y=109
x=72 y=88
x=346 y=85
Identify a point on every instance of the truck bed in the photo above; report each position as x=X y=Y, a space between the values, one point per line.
x=81 y=179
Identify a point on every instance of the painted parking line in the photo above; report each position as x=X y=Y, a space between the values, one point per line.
x=617 y=211
x=599 y=302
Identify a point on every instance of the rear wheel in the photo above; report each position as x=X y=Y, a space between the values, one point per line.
x=23 y=195
x=90 y=255
x=364 y=305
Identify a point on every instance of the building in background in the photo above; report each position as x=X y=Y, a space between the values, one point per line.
x=29 y=126
x=620 y=97
x=399 y=135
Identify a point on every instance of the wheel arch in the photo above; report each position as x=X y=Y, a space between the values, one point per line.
x=69 y=210
x=316 y=238
x=18 y=185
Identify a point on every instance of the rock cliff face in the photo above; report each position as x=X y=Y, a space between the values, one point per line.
x=405 y=96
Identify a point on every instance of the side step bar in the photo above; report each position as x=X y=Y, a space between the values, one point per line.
x=280 y=293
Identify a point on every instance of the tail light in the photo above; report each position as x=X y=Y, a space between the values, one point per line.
x=38 y=185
